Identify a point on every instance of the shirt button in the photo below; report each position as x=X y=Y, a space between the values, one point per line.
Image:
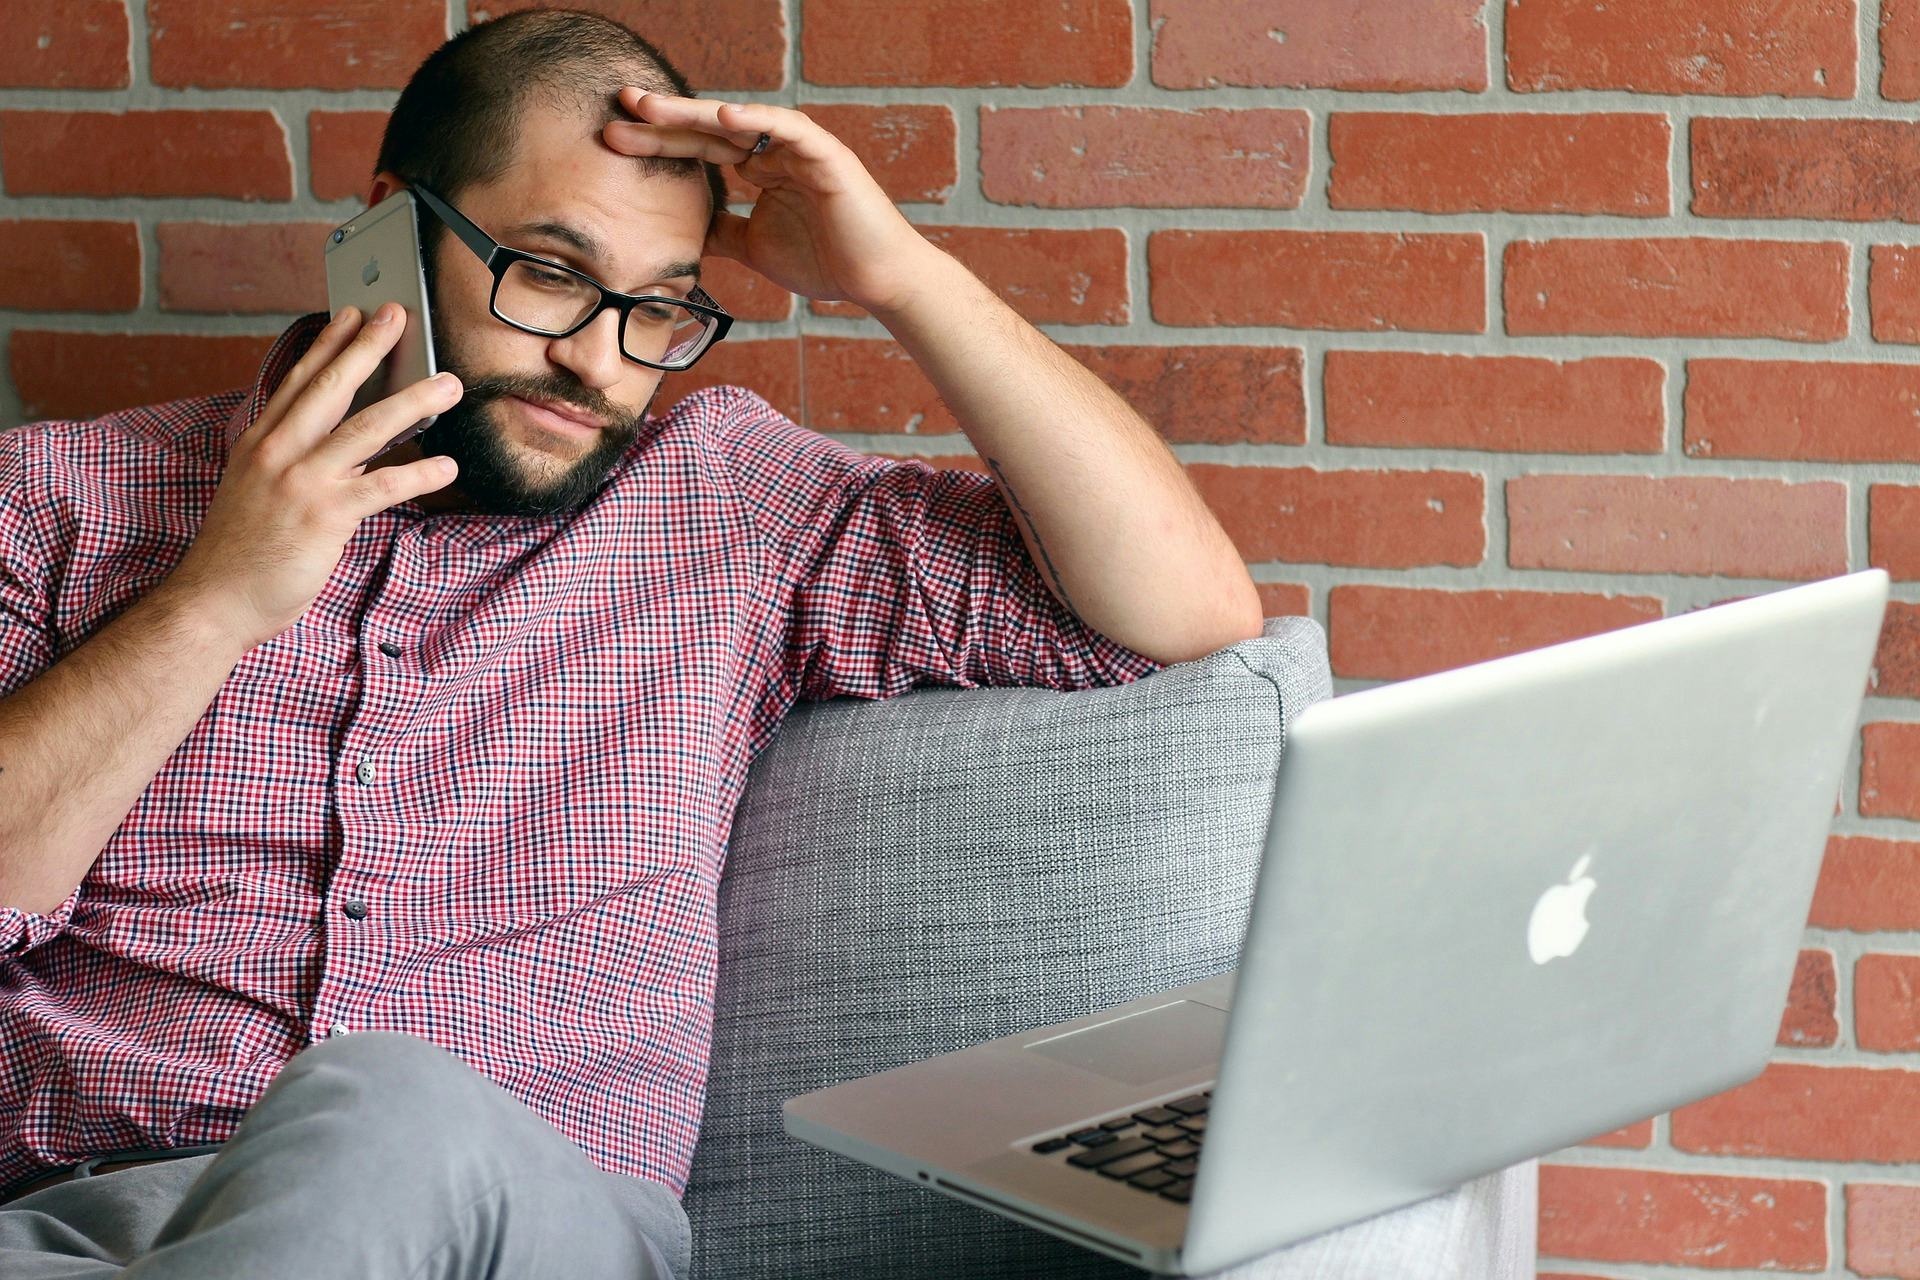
x=337 y=1030
x=365 y=771
x=389 y=648
x=354 y=909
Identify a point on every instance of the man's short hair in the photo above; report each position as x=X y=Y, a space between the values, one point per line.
x=457 y=122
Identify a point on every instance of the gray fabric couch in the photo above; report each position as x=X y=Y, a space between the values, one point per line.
x=909 y=876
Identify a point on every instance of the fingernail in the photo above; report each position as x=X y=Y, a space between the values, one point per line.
x=386 y=313
x=446 y=379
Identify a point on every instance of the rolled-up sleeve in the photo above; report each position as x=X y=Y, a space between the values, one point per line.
x=26 y=646
x=897 y=573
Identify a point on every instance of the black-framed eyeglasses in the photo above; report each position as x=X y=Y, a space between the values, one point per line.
x=539 y=295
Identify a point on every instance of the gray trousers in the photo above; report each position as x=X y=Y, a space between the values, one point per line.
x=371 y=1156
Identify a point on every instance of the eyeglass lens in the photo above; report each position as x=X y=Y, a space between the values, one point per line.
x=555 y=301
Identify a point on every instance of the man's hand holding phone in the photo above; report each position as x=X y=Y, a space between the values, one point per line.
x=297 y=486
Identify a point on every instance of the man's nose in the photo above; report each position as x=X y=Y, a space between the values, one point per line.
x=593 y=354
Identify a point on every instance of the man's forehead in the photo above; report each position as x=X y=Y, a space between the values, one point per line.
x=566 y=187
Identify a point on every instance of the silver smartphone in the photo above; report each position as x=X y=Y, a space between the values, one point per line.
x=375 y=258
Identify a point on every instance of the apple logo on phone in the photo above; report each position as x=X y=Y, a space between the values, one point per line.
x=370 y=272
x=1559 y=921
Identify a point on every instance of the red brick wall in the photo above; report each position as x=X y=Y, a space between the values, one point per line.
x=1482 y=324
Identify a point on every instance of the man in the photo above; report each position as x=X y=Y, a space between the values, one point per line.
x=360 y=824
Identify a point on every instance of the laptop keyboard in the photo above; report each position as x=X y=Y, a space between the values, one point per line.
x=1156 y=1149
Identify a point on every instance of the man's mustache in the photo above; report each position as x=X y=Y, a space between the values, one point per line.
x=550 y=387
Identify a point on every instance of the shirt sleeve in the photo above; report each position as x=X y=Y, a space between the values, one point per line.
x=898 y=574
x=26 y=647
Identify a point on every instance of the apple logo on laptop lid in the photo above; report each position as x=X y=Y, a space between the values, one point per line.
x=1559 y=922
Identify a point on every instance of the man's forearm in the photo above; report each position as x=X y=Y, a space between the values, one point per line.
x=80 y=743
x=1109 y=517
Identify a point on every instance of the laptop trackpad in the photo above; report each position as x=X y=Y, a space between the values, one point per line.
x=1143 y=1047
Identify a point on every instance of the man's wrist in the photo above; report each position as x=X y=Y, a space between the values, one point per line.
x=930 y=277
x=199 y=618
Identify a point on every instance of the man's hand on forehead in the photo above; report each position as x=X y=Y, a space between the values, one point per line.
x=820 y=227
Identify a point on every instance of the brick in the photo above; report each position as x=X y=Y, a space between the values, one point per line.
x=715 y=44
x=967 y=43
x=240 y=155
x=1682 y=1219
x=1145 y=157
x=1893 y=292
x=1638 y=1134
x=1284 y=599
x=1360 y=280
x=1890 y=770
x=252 y=269
x=1883 y=1230
x=1725 y=48
x=1399 y=46
x=1868 y=885
x=1695 y=525
x=1900 y=59
x=1226 y=394
x=771 y=366
x=1523 y=404
x=1678 y=287
x=60 y=264
x=1050 y=275
x=83 y=375
x=1886 y=1014
x=1811 y=1019
x=744 y=292
x=1500 y=162
x=342 y=148
x=1376 y=519
x=1896 y=664
x=1844 y=170
x=1893 y=531
x=1799 y=1111
x=269 y=44
x=65 y=44
x=1803 y=410
x=1212 y=394
x=1397 y=633
x=910 y=148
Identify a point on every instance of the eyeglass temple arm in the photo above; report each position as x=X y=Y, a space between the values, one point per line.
x=470 y=235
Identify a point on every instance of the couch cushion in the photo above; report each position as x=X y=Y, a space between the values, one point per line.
x=909 y=876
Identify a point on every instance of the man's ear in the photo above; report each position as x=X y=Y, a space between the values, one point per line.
x=385 y=183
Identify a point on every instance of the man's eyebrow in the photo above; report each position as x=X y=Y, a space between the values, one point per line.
x=594 y=251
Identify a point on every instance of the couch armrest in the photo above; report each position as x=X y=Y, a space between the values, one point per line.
x=909 y=876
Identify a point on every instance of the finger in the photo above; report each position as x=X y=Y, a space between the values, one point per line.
x=319 y=407
x=368 y=431
x=382 y=487
x=633 y=139
x=328 y=343
x=669 y=111
x=742 y=122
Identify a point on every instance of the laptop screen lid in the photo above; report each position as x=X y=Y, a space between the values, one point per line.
x=1417 y=1001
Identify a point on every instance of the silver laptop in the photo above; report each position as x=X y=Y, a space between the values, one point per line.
x=1501 y=909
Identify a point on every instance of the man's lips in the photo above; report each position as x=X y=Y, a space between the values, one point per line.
x=567 y=414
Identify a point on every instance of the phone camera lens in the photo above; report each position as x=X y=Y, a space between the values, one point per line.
x=338 y=236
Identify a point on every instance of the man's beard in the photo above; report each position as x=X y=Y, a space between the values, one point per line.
x=492 y=476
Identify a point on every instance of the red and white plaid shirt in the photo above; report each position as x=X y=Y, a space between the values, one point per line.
x=481 y=790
